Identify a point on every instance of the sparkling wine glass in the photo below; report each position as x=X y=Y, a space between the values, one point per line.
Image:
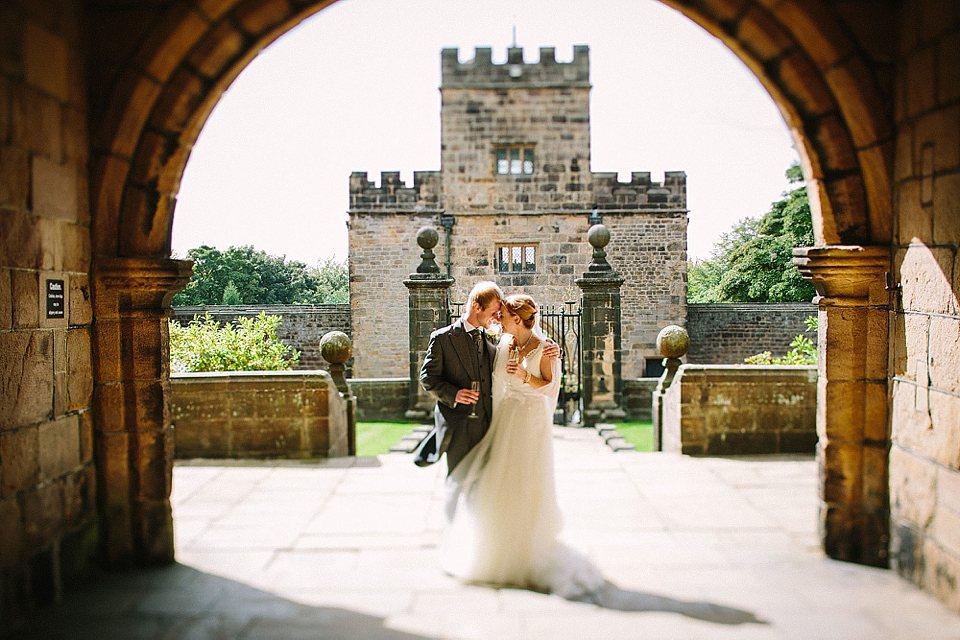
x=474 y=386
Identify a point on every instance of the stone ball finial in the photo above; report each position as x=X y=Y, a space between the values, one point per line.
x=598 y=236
x=336 y=347
x=673 y=341
x=427 y=237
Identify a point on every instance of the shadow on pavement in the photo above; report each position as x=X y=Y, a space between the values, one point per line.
x=617 y=599
x=179 y=601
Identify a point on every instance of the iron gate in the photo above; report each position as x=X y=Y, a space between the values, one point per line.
x=562 y=324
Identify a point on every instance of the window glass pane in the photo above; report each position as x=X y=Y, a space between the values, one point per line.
x=501 y=161
x=530 y=259
x=528 y=161
x=504 y=259
x=515 y=263
x=515 y=161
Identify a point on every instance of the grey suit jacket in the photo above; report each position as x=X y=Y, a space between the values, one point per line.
x=451 y=363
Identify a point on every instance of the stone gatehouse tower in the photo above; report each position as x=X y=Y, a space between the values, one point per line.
x=513 y=200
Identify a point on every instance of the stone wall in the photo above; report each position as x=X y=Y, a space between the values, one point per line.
x=925 y=331
x=745 y=409
x=650 y=253
x=381 y=399
x=301 y=326
x=48 y=516
x=638 y=398
x=258 y=414
x=728 y=333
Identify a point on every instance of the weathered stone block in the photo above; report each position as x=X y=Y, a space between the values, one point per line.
x=876 y=411
x=913 y=483
x=81 y=309
x=11 y=532
x=845 y=419
x=941 y=572
x=26 y=300
x=154 y=465
x=42 y=515
x=75 y=255
x=921 y=81
x=14 y=178
x=841 y=472
x=915 y=221
x=54 y=189
x=945 y=435
x=6 y=299
x=944 y=355
x=945 y=528
x=19 y=460
x=26 y=378
x=45 y=60
x=59 y=447
x=948 y=489
x=845 y=326
x=946 y=204
x=925 y=277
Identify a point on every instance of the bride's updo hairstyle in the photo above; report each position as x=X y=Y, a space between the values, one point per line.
x=520 y=304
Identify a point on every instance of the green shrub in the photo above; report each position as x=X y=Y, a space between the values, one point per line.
x=249 y=345
x=803 y=350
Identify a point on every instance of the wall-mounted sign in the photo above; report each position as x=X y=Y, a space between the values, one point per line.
x=55 y=299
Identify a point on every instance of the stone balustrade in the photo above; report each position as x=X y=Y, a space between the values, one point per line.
x=743 y=409
x=258 y=414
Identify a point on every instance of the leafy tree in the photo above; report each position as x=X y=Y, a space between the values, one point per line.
x=230 y=294
x=249 y=345
x=754 y=261
x=259 y=278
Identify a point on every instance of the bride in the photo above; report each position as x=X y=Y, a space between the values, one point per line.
x=504 y=520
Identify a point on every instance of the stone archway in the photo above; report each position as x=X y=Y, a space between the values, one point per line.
x=156 y=85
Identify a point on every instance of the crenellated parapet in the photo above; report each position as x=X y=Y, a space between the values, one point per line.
x=640 y=192
x=393 y=193
x=482 y=72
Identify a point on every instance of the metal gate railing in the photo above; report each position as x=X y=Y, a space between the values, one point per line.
x=562 y=324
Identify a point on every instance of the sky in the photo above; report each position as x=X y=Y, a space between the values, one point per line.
x=356 y=88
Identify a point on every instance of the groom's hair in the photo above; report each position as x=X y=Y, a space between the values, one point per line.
x=483 y=293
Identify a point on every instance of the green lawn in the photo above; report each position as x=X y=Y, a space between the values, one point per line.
x=376 y=438
x=639 y=434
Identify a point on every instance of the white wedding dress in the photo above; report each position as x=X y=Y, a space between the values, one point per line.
x=503 y=517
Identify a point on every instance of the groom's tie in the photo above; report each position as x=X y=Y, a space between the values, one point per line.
x=476 y=338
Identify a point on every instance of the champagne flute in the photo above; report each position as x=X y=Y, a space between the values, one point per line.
x=474 y=386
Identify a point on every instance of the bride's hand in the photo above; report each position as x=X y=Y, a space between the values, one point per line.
x=515 y=370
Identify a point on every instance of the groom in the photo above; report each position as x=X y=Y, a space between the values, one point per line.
x=457 y=355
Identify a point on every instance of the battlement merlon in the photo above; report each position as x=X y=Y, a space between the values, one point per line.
x=640 y=192
x=482 y=72
x=393 y=193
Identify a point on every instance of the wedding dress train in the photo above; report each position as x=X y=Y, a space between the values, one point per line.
x=503 y=517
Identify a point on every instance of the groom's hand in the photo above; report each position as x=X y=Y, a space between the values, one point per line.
x=551 y=349
x=467 y=396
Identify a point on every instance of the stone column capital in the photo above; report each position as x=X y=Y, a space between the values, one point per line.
x=424 y=281
x=141 y=284
x=846 y=271
x=595 y=282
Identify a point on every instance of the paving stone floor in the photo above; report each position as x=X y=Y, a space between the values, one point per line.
x=692 y=547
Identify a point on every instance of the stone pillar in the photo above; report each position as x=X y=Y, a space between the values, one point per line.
x=336 y=349
x=852 y=408
x=134 y=440
x=428 y=303
x=673 y=343
x=600 y=334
